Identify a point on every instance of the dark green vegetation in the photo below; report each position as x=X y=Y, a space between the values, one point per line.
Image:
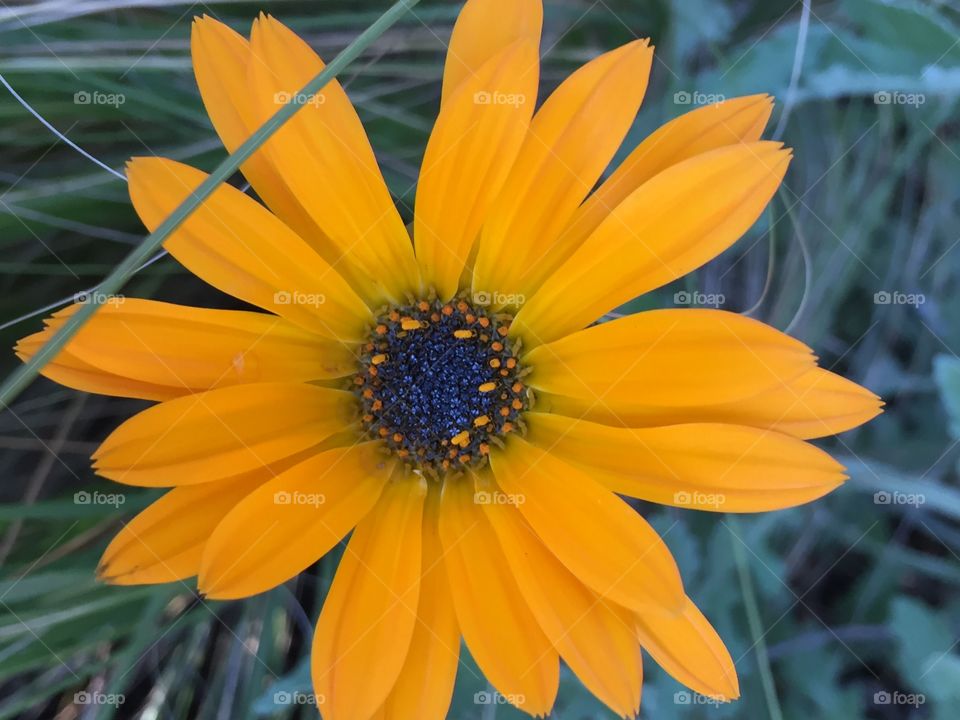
x=843 y=609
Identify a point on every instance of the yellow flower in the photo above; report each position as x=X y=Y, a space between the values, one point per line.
x=447 y=399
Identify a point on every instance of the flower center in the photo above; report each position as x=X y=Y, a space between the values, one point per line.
x=439 y=385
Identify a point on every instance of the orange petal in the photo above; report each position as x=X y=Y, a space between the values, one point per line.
x=326 y=160
x=669 y=358
x=497 y=624
x=220 y=60
x=668 y=227
x=701 y=130
x=69 y=370
x=368 y=618
x=686 y=646
x=180 y=350
x=601 y=539
x=425 y=685
x=290 y=522
x=476 y=137
x=219 y=433
x=706 y=466
x=815 y=404
x=239 y=247
x=475 y=39
x=165 y=542
x=594 y=638
x=571 y=141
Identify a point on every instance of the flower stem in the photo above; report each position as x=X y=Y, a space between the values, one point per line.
x=24 y=375
x=753 y=619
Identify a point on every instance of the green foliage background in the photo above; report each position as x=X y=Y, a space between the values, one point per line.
x=823 y=606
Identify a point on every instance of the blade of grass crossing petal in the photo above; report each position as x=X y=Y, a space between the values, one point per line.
x=18 y=380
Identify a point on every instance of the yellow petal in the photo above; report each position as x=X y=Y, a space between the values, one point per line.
x=701 y=130
x=571 y=141
x=220 y=59
x=165 y=542
x=475 y=39
x=219 y=433
x=326 y=160
x=706 y=466
x=290 y=522
x=425 y=685
x=600 y=538
x=686 y=646
x=497 y=624
x=181 y=350
x=669 y=358
x=368 y=618
x=476 y=137
x=239 y=247
x=668 y=227
x=594 y=638
x=69 y=370
x=815 y=404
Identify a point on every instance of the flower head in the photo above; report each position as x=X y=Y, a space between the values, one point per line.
x=453 y=398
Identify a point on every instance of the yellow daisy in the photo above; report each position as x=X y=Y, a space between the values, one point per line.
x=451 y=399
